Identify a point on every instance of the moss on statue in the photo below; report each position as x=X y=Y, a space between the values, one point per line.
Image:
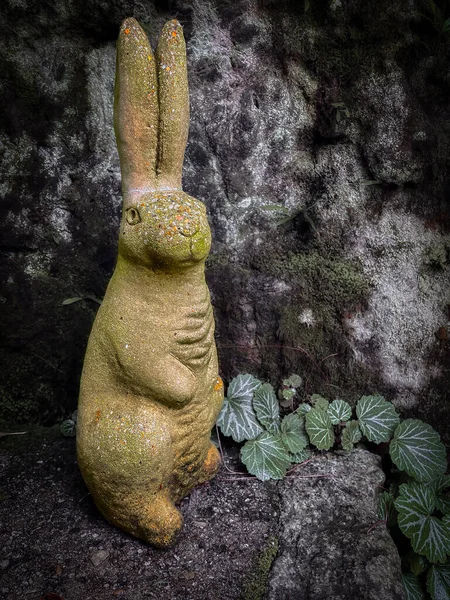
x=256 y=585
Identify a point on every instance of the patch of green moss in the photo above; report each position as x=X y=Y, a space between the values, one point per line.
x=330 y=288
x=256 y=585
x=437 y=255
x=327 y=285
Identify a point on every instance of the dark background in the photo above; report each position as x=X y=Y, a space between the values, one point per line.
x=337 y=112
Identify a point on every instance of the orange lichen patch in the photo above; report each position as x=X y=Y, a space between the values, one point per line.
x=212 y=461
x=219 y=384
x=127 y=31
x=97 y=415
x=167 y=68
x=174 y=34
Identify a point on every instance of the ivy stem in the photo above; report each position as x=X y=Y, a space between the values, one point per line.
x=222 y=456
x=376 y=525
x=299 y=465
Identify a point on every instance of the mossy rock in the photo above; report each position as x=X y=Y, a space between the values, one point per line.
x=256 y=585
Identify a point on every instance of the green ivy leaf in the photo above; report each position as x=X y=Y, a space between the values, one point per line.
x=294 y=381
x=319 y=429
x=242 y=386
x=438 y=582
x=417 y=563
x=293 y=433
x=288 y=393
x=300 y=457
x=429 y=535
x=322 y=404
x=377 y=418
x=319 y=401
x=386 y=509
x=440 y=485
x=303 y=408
x=412 y=587
x=417 y=449
x=68 y=428
x=339 y=411
x=267 y=408
x=237 y=417
x=443 y=504
x=351 y=435
x=266 y=457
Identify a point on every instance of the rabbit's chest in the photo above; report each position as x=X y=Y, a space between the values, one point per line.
x=193 y=335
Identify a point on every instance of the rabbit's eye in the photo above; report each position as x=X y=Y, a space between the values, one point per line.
x=133 y=217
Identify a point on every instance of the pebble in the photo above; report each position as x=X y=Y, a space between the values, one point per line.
x=187 y=575
x=98 y=557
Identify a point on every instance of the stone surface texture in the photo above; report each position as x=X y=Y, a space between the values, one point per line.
x=323 y=521
x=330 y=521
x=339 y=116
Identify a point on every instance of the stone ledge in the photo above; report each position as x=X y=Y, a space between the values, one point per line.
x=53 y=539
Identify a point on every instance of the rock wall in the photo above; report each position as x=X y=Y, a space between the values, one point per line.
x=319 y=142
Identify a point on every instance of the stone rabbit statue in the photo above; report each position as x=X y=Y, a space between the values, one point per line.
x=150 y=390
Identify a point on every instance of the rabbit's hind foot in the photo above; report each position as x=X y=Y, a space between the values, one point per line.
x=160 y=522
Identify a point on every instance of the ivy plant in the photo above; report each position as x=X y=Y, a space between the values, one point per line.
x=417 y=507
x=68 y=427
x=251 y=413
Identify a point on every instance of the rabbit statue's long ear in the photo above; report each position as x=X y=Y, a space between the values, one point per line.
x=173 y=97
x=136 y=109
